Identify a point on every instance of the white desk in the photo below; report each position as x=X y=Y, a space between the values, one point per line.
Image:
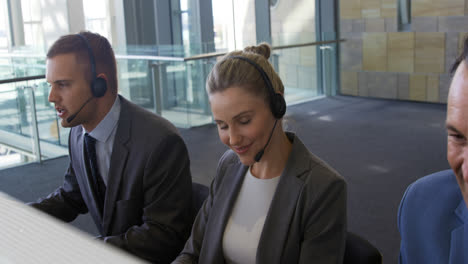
x=30 y=236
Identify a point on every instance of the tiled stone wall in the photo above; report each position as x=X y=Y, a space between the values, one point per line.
x=379 y=61
x=293 y=25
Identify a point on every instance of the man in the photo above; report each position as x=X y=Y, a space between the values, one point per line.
x=433 y=214
x=128 y=167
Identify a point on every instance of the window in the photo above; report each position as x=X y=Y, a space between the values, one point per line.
x=97 y=18
x=4 y=32
x=32 y=20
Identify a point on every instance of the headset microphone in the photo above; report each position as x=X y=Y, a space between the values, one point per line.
x=260 y=153
x=70 y=118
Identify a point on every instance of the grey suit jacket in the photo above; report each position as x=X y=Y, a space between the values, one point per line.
x=306 y=221
x=148 y=197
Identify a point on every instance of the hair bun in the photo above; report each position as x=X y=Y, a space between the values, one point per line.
x=262 y=49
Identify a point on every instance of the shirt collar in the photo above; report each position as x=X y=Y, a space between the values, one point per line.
x=104 y=129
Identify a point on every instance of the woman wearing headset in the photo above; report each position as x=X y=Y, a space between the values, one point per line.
x=272 y=200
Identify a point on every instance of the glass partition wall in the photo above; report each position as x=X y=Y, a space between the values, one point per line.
x=169 y=78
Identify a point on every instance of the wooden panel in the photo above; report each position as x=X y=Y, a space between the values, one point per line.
x=388 y=8
x=349 y=83
x=375 y=25
x=432 y=88
x=429 y=52
x=370 y=8
x=401 y=52
x=350 y=9
x=451 y=7
x=403 y=86
x=374 y=52
x=424 y=8
x=418 y=87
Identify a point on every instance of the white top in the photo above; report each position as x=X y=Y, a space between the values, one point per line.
x=245 y=225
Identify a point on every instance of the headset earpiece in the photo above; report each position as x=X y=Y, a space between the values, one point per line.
x=98 y=84
x=277 y=102
x=99 y=87
x=278 y=105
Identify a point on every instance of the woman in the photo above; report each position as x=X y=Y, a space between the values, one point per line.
x=272 y=201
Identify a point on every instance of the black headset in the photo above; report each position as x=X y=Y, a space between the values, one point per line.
x=98 y=84
x=277 y=102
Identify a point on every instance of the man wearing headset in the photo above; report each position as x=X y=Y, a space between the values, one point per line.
x=128 y=168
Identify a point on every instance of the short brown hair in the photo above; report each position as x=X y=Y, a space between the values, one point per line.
x=462 y=57
x=102 y=51
x=230 y=72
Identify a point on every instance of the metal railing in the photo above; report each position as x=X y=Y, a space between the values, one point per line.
x=16 y=140
x=158 y=70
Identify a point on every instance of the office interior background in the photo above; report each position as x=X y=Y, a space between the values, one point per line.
x=387 y=49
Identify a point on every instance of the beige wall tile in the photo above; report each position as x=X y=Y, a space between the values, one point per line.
x=451 y=7
x=466 y=7
x=451 y=49
x=388 y=8
x=351 y=53
x=362 y=83
x=429 y=52
x=375 y=25
x=383 y=84
x=418 y=87
x=349 y=83
x=424 y=8
x=391 y=25
x=400 y=52
x=403 y=86
x=370 y=8
x=374 y=52
x=425 y=24
x=350 y=9
x=432 y=91
x=444 y=83
x=452 y=23
x=461 y=39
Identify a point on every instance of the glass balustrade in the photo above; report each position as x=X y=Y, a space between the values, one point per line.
x=24 y=109
x=158 y=79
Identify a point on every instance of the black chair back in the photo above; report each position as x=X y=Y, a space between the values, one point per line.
x=359 y=250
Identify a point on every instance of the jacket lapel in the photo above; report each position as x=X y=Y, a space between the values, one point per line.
x=459 y=239
x=283 y=206
x=221 y=210
x=118 y=161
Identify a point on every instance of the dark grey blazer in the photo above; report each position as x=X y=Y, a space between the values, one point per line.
x=306 y=221
x=148 y=197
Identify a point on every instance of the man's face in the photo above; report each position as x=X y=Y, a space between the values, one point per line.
x=69 y=89
x=457 y=128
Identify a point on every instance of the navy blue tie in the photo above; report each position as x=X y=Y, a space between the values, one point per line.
x=99 y=186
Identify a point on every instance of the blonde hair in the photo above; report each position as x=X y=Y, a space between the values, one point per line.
x=230 y=72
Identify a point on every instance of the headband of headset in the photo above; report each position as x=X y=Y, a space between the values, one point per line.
x=277 y=102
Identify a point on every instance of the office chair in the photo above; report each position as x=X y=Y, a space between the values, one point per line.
x=359 y=250
x=199 y=194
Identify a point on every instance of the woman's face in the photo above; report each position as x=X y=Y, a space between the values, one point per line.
x=244 y=121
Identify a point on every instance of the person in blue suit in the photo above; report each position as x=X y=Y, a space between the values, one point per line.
x=433 y=214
